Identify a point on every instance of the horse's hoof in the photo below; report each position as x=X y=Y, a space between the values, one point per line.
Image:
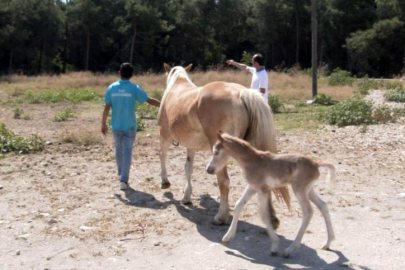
x=274 y=254
x=219 y=222
x=325 y=248
x=186 y=202
x=165 y=185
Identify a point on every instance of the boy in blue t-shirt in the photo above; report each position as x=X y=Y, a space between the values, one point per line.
x=122 y=96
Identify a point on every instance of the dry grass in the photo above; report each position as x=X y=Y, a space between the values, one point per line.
x=289 y=88
x=81 y=137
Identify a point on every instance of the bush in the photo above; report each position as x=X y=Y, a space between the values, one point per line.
x=140 y=125
x=396 y=95
x=275 y=103
x=351 y=112
x=364 y=85
x=20 y=145
x=322 y=99
x=340 y=77
x=64 y=115
x=147 y=111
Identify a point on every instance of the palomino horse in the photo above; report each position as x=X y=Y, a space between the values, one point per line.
x=193 y=115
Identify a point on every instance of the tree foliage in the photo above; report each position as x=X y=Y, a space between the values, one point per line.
x=54 y=36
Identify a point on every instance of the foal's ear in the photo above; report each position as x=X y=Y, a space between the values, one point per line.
x=220 y=136
x=188 y=68
x=167 y=67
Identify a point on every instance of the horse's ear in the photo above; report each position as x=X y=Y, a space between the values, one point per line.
x=220 y=136
x=187 y=68
x=167 y=67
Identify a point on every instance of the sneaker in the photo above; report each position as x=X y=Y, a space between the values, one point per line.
x=123 y=185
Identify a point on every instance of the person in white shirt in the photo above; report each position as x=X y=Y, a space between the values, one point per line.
x=260 y=79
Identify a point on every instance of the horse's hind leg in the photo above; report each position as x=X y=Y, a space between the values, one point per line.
x=264 y=213
x=164 y=147
x=323 y=207
x=222 y=216
x=274 y=220
x=188 y=167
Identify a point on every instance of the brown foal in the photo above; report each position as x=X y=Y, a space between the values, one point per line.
x=264 y=171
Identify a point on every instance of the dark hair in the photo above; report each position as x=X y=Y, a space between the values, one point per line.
x=258 y=57
x=126 y=70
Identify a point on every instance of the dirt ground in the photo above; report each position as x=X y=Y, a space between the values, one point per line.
x=62 y=208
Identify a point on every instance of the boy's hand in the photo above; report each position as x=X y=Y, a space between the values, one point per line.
x=104 y=129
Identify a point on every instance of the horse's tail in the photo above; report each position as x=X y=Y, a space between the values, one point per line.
x=261 y=132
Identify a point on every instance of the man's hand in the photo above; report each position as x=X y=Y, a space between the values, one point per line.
x=104 y=128
x=230 y=62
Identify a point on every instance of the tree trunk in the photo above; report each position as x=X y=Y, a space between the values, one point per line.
x=131 y=56
x=10 y=63
x=314 y=49
x=65 y=48
x=40 y=62
x=297 y=49
x=88 y=50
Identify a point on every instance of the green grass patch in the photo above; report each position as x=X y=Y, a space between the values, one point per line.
x=74 y=95
x=299 y=118
x=275 y=103
x=18 y=113
x=20 y=145
x=146 y=111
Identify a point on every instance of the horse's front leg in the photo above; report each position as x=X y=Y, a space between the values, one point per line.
x=188 y=167
x=222 y=216
x=164 y=147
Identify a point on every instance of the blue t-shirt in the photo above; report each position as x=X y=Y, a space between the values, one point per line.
x=123 y=95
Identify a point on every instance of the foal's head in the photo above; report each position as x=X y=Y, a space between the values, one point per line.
x=226 y=147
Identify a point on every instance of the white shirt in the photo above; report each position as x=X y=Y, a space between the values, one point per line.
x=260 y=79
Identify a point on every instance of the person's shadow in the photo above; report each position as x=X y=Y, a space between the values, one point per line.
x=250 y=242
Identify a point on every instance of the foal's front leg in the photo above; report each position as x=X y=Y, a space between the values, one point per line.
x=246 y=196
x=188 y=167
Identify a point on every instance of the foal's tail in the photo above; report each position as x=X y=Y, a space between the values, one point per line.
x=261 y=132
x=331 y=177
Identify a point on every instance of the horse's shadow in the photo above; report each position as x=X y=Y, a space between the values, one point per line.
x=250 y=243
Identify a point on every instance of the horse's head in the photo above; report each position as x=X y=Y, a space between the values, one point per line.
x=168 y=68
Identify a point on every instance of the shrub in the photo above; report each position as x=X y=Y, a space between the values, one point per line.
x=382 y=114
x=140 y=125
x=275 y=103
x=340 y=77
x=64 y=115
x=393 y=86
x=17 y=113
x=351 y=112
x=396 y=95
x=20 y=145
x=147 y=111
x=322 y=99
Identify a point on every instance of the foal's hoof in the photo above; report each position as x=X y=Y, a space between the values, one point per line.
x=286 y=255
x=274 y=254
x=165 y=185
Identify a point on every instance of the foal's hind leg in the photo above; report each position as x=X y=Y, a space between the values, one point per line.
x=264 y=213
x=164 y=147
x=302 y=195
x=323 y=207
x=188 y=167
x=273 y=218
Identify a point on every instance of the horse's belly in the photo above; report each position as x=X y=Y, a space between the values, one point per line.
x=192 y=140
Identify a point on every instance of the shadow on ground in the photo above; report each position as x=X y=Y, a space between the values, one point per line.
x=250 y=243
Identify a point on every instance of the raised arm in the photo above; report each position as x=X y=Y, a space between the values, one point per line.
x=238 y=65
